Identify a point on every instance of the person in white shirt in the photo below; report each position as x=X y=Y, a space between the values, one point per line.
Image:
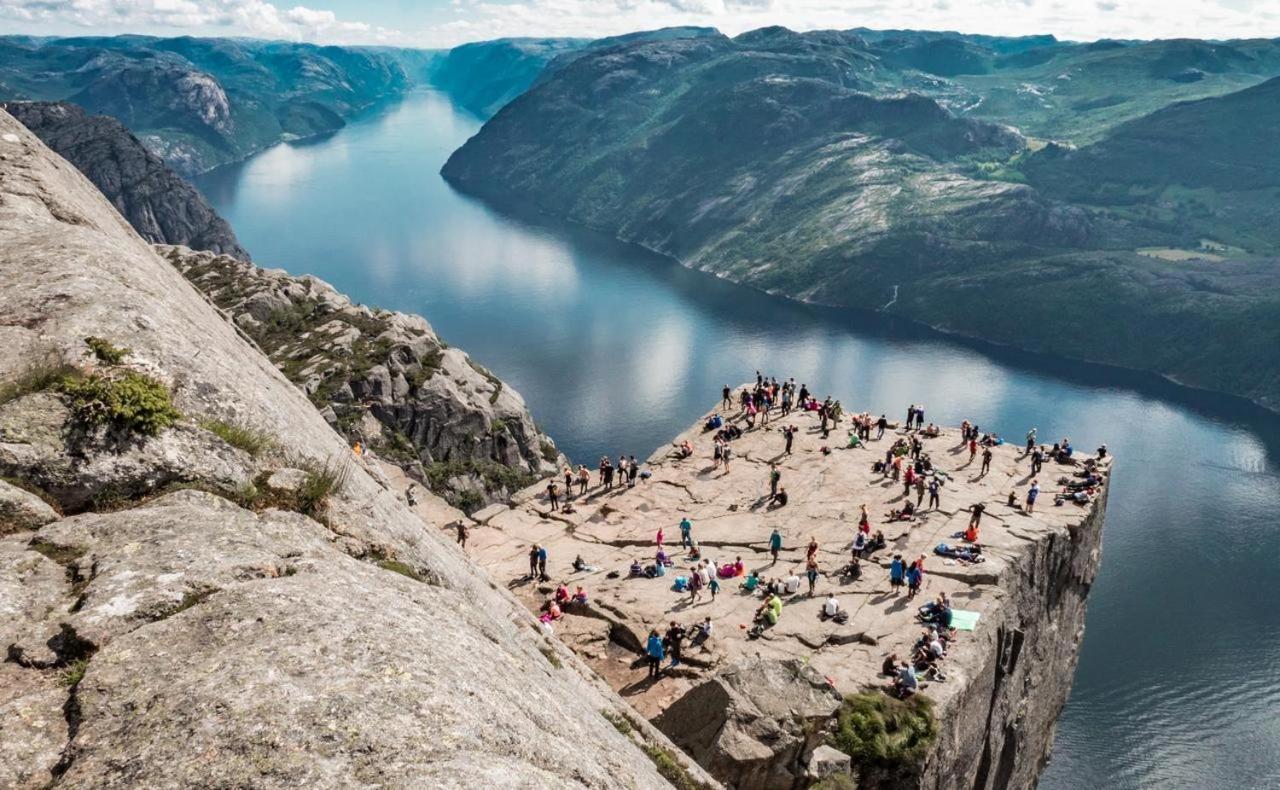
x=832 y=607
x=792 y=584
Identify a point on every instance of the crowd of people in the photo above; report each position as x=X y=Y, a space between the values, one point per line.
x=905 y=462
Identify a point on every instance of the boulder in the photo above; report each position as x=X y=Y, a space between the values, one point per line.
x=753 y=722
x=22 y=510
x=825 y=761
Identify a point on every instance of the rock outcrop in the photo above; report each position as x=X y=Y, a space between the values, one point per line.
x=737 y=702
x=385 y=379
x=158 y=202
x=167 y=631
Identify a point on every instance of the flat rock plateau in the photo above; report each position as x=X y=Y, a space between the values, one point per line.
x=1005 y=682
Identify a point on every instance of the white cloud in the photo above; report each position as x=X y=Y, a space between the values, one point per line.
x=1069 y=19
x=255 y=18
x=474 y=20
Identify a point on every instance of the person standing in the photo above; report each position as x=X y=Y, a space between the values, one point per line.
x=920 y=488
x=774 y=478
x=1032 y=493
x=568 y=482
x=633 y=469
x=552 y=495
x=973 y=446
x=542 y=563
x=986 y=461
x=897 y=570
x=811 y=571
x=881 y=424
x=934 y=490
x=654 y=654
x=686 y=533
x=1031 y=440
x=462 y=534
x=789 y=434
x=775 y=544
x=533 y=561
x=1037 y=460
x=976 y=510
x=726 y=398
x=675 y=640
x=584 y=479
x=728 y=454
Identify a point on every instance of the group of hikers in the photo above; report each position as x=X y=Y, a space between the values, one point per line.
x=621 y=475
x=905 y=462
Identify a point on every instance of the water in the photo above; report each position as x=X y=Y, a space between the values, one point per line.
x=616 y=350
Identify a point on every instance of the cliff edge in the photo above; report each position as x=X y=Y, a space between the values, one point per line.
x=201 y=584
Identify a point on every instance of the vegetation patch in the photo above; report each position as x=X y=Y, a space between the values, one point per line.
x=242 y=437
x=495 y=477
x=322 y=481
x=63 y=555
x=402 y=568
x=38 y=376
x=492 y=379
x=549 y=451
x=127 y=401
x=549 y=654
x=880 y=732
x=618 y=721
x=106 y=352
x=190 y=599
x=74 y=672
x=671 y=769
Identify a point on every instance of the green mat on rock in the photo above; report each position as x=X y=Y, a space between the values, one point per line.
x=964 y=620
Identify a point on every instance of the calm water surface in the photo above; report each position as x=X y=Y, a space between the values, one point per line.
x=616 y=350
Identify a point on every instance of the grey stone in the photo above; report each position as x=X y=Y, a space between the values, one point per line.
x=825 y=761
x=22 y=510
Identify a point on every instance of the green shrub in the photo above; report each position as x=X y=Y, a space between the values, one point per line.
x=127 y=401
x=881 y=732
x=241 y=437
x=106 y=352
x=321 y=481
x=549 y=451
x=37 y=376
x=402 y=568
x=670 y=769
x=618 y=721
x=74 y=672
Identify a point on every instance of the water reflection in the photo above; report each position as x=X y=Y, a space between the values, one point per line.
x=616 y=349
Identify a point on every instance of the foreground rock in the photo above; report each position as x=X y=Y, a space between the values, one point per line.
x=1006 y=681
x=384 y=379
x=160 y=204
x=171 y=632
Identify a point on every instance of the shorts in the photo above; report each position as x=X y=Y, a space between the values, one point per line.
x=895 y=582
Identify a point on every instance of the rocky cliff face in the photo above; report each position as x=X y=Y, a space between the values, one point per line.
x=385 y=379
x=159 y=204
x=215 y=591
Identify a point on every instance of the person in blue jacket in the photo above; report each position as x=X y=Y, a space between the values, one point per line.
x=654 y=653
x=897 y=570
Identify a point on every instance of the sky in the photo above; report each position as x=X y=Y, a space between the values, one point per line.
x=446 y=23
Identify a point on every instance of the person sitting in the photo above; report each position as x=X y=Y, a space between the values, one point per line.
x=580 y=596
x=713 y=423
x=905 y=682
x=779 y=499
x=769 y=611
x=562 y=594
x=751 y=582
x=907 y=513
x=662 y=559
x=581 y=566
x=552 y=612
x=636 y=570
x=831 y=607
x=854 y=440
x=792 y=585
x=876 y=543
x=684 y=449
x=701 y=633
x=971 y=533
x=852 y=571
x=932 y=431
x=890 y=665
x=695 y=553
x=859 y=543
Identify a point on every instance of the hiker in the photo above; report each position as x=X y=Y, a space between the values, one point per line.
x=568 y=482
x=633 y=469
x=919 y=417
x=864 y=521
x=986 y=462
x=533 y=561
x=658 y=539
x=897 y=572
x=579 y=596
x=935 y=488
x=580 y=565
x=552 y=492
x=914 y=577
x=686 y=532
x=726 y=398
x=410 y=497
x=811 y=572
x=792 y=583
x=775 y=544
x=695 y=585
x=911 y=416
x=890 y=665
x=976 y=509
x=584 y=479
x=750 y=583
x=674 y=641
x=654 y=653
x=1031 y=440
x=1032 y=493
x=905 y=683
x=779 y=499
x=770 y=611
x=971 y=533
x=881 y=424
x=774 y=477
x=606 y=473
x=462 y=534
x=853 y=571
x=562 y=594
x=701 y=632
x=726 y=453
x=973 y=446
x=789 y=434
x=812 y=550
x=542 y=563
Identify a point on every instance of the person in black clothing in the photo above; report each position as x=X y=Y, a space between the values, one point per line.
x=986 y=461
x=881 y=424
x=633 y=469
x=1037 y=460
x=789 y=433
x=675 y=641
x=977 y=511
x=726 y=397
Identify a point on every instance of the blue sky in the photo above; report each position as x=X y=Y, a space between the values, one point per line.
x=441 y=23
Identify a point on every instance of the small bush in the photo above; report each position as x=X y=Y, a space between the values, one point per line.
x=549 y=654
x=881 y=732
x=38 y=376
x=241 y=437
x=106 y=352
x=127 y=401
x=618 y=721
x=63 y=555
x=321 y=482
x=498 y=425
x=74 y=672
x=549 y=452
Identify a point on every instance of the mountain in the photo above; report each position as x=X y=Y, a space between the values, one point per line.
x=483 y=76
x=199 y=102
x=798 y=164
x=158 y=203
x=206 y=587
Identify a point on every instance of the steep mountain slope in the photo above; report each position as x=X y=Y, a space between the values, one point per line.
x=199 y=103
x=159 y=204
x=482 y=76
x=782 y=161
x=195 y=611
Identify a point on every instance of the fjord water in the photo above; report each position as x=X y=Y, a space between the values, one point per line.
x=616 y=350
